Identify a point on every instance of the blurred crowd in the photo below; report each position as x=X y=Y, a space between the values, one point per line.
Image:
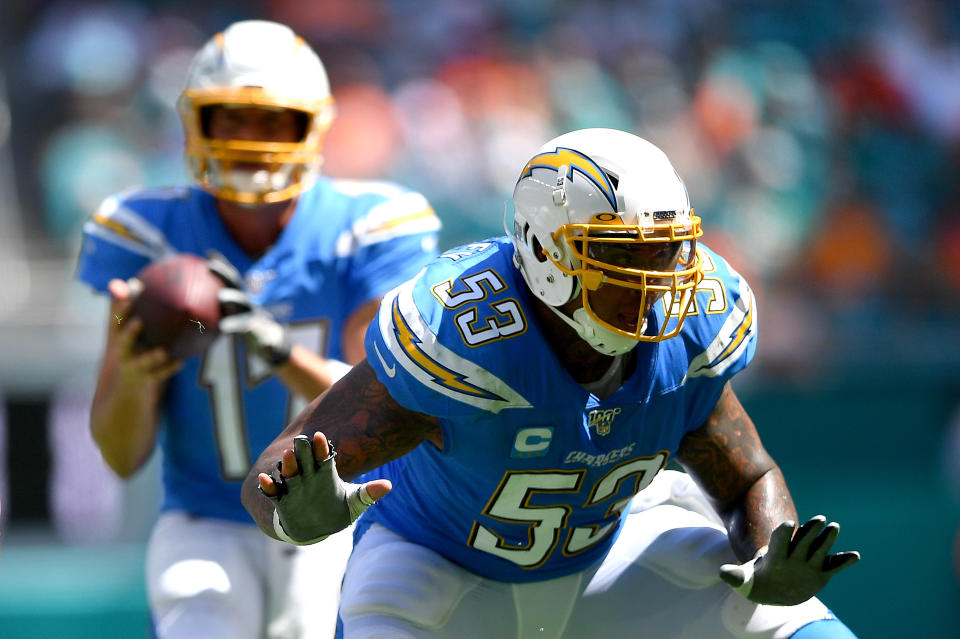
x=820 y=140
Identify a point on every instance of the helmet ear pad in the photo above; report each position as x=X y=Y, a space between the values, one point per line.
x=545 y=200
x=534 y=240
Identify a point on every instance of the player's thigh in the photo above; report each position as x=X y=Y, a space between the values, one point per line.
x=305 y=583
x=200 y=573
x=661 y=580
x=676 y=488
x=398 y=589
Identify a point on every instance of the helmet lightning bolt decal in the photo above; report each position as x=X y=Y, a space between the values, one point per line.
x=575 y=161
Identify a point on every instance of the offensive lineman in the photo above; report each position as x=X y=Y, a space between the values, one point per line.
x=524 y=395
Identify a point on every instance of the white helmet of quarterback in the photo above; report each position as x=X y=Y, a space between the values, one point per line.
x=255 y=63
x=597 y=208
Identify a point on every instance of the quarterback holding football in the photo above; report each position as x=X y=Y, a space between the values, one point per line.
x=303 y=260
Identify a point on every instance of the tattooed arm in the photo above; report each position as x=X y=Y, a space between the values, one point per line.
x=727 y=459
x=366 y=425
x=782 y=564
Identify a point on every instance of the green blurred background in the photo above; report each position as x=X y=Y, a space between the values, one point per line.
x=820 y=142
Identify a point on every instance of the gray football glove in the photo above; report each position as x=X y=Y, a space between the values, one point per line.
x=263 y=334
x=315 y=503
x=789 y=571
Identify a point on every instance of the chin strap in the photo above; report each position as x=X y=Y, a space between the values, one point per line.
x=601 y=339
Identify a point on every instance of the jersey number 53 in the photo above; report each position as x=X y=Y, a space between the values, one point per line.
x=511 y=503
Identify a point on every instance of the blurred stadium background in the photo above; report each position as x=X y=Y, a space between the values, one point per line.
x=820 y=141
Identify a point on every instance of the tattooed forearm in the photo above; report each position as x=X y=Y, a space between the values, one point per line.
x=726 y=457
x=365 y=425
x=725 y=454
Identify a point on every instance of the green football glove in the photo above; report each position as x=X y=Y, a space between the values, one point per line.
x=315 y=503
x=790 y=570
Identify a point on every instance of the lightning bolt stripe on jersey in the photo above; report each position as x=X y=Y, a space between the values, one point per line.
x=730 y=340
x=120 y=225
x=416 y=348
x=407 y=214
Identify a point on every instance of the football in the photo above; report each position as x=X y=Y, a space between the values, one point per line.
x=178 y=306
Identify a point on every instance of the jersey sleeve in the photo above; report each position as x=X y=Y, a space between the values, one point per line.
x=119 y=239
x=722 y=339
x=395 y=238
x=414 y=347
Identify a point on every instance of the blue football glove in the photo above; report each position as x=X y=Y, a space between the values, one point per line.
x=263 y=334
x=790 y=570
x=314 y=503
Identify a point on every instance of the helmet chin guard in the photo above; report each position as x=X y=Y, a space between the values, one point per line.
x=255 y=64
x=602 y=339
x=593 y=194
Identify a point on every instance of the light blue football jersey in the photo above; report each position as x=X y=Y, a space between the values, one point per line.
x=536 y=472
x=346 y=244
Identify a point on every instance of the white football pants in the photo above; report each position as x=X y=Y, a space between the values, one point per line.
x=214 y=579
x=659 y=581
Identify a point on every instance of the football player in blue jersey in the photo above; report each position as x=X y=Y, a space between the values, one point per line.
x=309 y=258
x=522 y=396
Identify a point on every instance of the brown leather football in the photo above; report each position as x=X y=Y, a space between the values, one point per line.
x=178 y=305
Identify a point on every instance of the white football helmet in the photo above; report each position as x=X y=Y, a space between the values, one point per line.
x=255 y=63
x=599 y=194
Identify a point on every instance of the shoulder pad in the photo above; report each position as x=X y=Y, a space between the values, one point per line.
x=721 y=331
x=133 y=220
x=382 y=211
x=427 y=327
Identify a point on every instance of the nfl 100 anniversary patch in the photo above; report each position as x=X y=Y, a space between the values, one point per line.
x=602 y=419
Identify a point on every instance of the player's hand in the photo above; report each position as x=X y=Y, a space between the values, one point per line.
x=135 y=367
x=264 y=335
x=795 y=565
x=311 y=501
